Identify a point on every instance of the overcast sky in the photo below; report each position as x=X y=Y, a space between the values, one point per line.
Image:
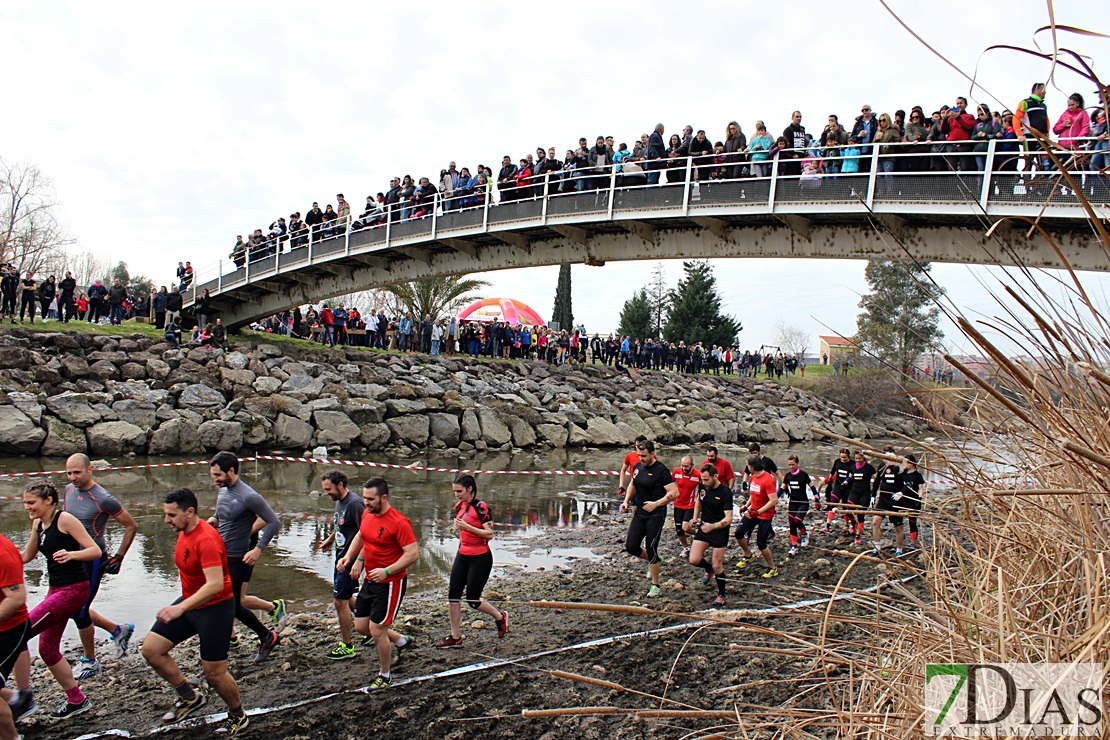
x=170 y=128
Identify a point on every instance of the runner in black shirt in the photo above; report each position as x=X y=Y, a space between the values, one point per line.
x=837 y=484
x=887 y=485
x=348 y=516
x=768 y=465
x=913 y=495
x=652 y=488
x=860 y=492
x=796 y=481
x=712 y=519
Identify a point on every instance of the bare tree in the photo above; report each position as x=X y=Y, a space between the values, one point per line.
x=791 y=339
x=367 y=300
x=84 y=265
x=660 y=298
x=29 y=229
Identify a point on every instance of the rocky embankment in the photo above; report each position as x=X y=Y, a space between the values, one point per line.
x=62 y=393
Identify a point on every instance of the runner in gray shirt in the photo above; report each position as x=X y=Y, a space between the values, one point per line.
x=93 y=506
x=239 y=511
x=348 y=517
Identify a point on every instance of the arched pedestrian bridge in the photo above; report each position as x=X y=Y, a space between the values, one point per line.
x=935 y=216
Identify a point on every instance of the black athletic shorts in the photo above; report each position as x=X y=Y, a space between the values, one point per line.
x=380 y=601
x=860 y=499
x=12 y=643
x=211 y=624
x=762 y=528
x=644 y=533
x=95 y=571
x=887 y=503
x=681 y=516
x=908 y=503
x=715 y=538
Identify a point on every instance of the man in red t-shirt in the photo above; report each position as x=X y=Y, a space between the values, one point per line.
x=386 y=546
x=725 y=473
x=14 y=628
x=758 y=514
x=630 y=461
x=206 y=609
x=687 y=479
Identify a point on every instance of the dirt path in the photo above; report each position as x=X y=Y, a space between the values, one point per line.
x=688 y=663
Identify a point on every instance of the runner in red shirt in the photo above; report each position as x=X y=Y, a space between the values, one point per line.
x=14 y=629
x=630 y=461
x=725 y=474
x=473 y=562
x=758 y=514
x=386 y=544
x=687 y=479
x=206 y=609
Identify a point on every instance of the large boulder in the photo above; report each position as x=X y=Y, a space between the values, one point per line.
x=374 y=436
x=28 y=403
x=577 y=436
x=266 y=385
x=200 y=398
x=700 y=430
x=471 y=429
x=110 y=438
x=445 y=428
x=523 y=433
x=553 y=434
x=14 y=358
x=304 y=386
x=236 y=377
x=175 y=437
x=75 y=366
x=291 y=432
x=604 y=433
x=221 y=435
x=18 y=434
x=105 y=369
x=411 y=429
x=334 y=428
x=157 y=369
x=142 y=414
x=494 y=431
x=237 y=360
x=62 y=440
x=73 y=408
x=365 y=411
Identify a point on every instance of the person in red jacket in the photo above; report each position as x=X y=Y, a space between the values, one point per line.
x=960 y=125
x=327 y=320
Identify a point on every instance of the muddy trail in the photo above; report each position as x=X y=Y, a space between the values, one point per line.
x=696 y=664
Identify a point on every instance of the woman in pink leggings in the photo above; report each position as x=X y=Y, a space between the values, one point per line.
x=63 y=541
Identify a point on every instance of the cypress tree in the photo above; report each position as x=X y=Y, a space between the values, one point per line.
x=562 y=312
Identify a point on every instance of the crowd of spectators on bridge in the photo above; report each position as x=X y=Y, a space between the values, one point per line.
x=953 y=136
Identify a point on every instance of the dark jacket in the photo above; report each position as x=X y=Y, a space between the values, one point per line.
x=117 y=295
x=173 y=301
x=655 y=148
x=159 y=302
x=47 y=290
x=66 y=287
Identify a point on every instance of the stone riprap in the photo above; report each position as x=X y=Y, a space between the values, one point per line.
x=107 y=395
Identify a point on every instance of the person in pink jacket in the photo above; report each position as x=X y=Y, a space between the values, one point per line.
x=1074 y=124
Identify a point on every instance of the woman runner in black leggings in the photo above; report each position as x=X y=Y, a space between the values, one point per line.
x=473 y=562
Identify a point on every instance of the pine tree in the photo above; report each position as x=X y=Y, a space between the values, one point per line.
x=636 y=317
x=659 y=296
x=695 y=311
x=900 y=318
x=562 y=313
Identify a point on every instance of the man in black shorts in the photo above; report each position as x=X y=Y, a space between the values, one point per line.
x=386 y=546
x=348 y=516
x=712 y=519
x=205 y=609
x=651 y=489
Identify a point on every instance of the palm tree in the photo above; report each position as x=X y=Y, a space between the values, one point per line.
x=436 y=296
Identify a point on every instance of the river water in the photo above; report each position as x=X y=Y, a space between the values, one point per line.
x=524 y=506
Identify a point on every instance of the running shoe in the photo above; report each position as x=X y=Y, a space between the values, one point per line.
x=911 y=546
x=793 y=550
x=743 y=562
x=122 y=639
x=825 y=530
x=278 y=615
x=719 y=602
x=450 y=642
x=234 y=641
x=685 y=552
x=24 y=706
x=400 y=652
x=67 y=710
x=503 y=624
x=898 y=552
x=654 y=592
x=857 y=541
x=878 y=550
x=705 y=579
x=267 y=647
x=182 y=708
x=771 y=573
x=342 y=651
x=86 y=668
x=805 y=540
x=381 y=682
x=233 y=725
